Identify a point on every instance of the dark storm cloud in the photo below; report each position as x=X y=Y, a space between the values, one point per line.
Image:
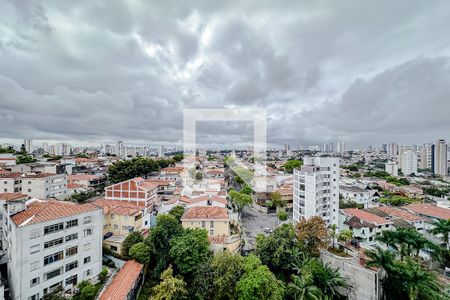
x=362 y=71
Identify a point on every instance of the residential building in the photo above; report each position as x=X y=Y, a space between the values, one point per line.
x=426 y=155
x=366 y=197
x=45 y=185
x=391 y=168
x=52 y=244
x=316 y=189
x=408 y=162
x=126 y=283
x=10 y=203
x=392 y=150
x=88 y=181
x=364 y=225
x=10 y=182
x=439 y=160
x=216 y=221
x=7 y=159
x=340 y=147
x=62 y=149
x=28 y=143
x=394 y=214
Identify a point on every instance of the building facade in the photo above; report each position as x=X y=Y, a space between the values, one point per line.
x=439 y=158
x=52 y=244
x=408 y=162
x=45 y=185
x=316 y=189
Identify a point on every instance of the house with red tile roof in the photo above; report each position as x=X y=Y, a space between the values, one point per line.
x=53 y=244
x=364 y=225
x=88 y=181
x=126 y=283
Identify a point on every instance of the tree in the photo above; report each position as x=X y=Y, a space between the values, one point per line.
x=228 y=269
x=327 y=279
x=276 y=250
x=177 y=212
x=275 y=197
x=313 y=234
x=190 y=249
x=178 y=157
x=246 y=190
x=24 y=159
x=167 y=227
x=128 y=169
x=258 y=282
x=202 y=286
x=290 y=165
x=240 y=200
x=170 y=288
x=198 y=176
x=82 y=197
x=397 y=200
x=333 y=234
x=87 y=291
x=345 y=236
x=282 y=215
x=102 y=275
x=131 y=239
x=140 y=252
x=56 y=294
x=442 y=227
x=303 y=288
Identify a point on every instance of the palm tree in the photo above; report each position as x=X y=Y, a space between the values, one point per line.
x=303 y=288
x=418 y=282
x=442 y=227
x=328 y=280
x=333 y=234
x=380 y=258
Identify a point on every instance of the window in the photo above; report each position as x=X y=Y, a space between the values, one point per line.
x=53 y=243
x=88 y=272
x=72 y=223
x=53 y=228
x=71 y=237
x=203 y=224
x=53 y=257
x=34 y=265
x=116 y=226
x=113 y=248
x=34 y=297
x=87 y=220
x=35 y=249
x=72 y=251
x=71 y=280
x=34 y=281
x=211 y=224
x=112 y=216
x=71 y=266
x=211 y=232
x=52 y=274
x=87 y=232
x=87 y=260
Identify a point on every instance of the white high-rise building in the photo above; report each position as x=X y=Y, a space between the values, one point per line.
x=426 y=156
x=408 y=162
x=316 y=189
x=45 y=147
x=28 y=145
x=120 y=149
x=340 y=147
x=392 y=150
x=391 y=168
x=62 y=149
x=439 y=158
x=51 y=244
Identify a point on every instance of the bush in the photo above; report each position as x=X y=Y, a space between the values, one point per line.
x=103 y=274
x=282 y=215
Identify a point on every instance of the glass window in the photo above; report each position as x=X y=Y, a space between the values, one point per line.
x=53 y=228
x=87 y=232
x=53 y=243
x=72 y=223
x=87 y=260
x=87 y=220
x=72 y=251
x=52 y=274
x=53 y=257
x=34 y=281
x=72 y=280
x=71 y=237
x=71 y=266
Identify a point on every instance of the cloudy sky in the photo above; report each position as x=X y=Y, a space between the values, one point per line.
x=365 y=72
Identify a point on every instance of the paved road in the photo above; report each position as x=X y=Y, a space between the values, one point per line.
x=254 y=223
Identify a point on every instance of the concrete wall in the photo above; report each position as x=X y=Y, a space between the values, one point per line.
x=365 y=283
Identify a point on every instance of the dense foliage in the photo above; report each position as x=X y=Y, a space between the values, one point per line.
x=142 y=166
x=292 y=164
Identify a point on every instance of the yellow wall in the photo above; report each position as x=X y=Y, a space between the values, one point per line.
x=115 y=223
x=220 y=228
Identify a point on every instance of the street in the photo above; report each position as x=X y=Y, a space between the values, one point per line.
x=254 y=223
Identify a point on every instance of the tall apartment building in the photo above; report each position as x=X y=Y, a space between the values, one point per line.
x=392 y=150
x=408 y=162
x=316 y=189
x=439 y=159
x=391 y=168
x=28 y=145
x=45 y=185
x=426 y=156
x=62 y=149
x=340 y=147
x=52 y=244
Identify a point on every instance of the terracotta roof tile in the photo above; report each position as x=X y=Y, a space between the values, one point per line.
x=12 y=196
x=399 y=213
x=123 y=282
x=205 y=213
x=39 y=211
x=430 y=210
x=123 y=208
x=365 y=216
